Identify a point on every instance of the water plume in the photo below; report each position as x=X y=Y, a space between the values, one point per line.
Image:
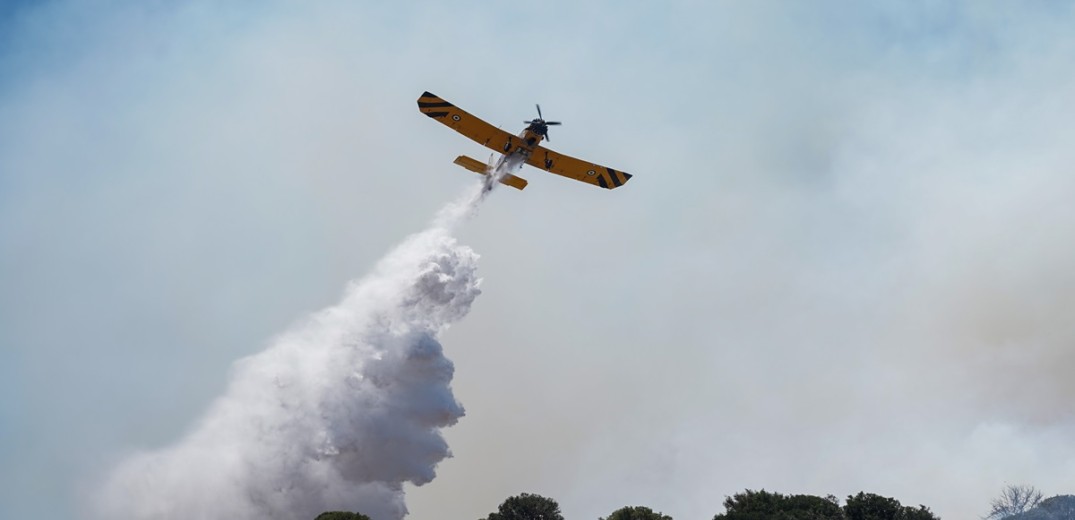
x=337 y=413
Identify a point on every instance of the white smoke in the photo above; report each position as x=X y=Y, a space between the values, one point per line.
x=337 y=414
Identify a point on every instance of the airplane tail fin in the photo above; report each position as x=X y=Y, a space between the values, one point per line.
x=479 y=167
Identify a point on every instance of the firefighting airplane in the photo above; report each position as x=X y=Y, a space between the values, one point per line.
x=517 y=150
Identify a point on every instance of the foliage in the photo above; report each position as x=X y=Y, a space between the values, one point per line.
x=636 y=513
x=527 y=507
x=763 y=505
x=1014 y=500
x=341 y=515
x=1060 y=507
x=868 y=506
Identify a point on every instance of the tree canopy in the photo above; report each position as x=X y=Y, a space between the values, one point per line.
x=868 y=506
x=764 y=505
x=341 y=515
x=636 y=513
x=1060 y=507
x=527 y=507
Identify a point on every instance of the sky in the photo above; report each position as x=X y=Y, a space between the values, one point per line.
x=842 y=264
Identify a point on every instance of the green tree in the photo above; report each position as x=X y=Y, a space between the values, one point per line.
x=636 y=513
x=527 y=507
x=868 y=506
x=918 y=513
x=764 y=505
x=341 y=515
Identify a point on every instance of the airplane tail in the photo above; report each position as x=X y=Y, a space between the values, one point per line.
x=479 y=167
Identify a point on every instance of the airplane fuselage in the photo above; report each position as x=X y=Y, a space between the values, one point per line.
x=517 y=151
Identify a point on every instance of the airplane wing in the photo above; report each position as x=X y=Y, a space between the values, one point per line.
x=459 y=120
x=577 y=169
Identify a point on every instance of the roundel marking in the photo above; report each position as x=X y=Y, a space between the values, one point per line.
x=591 y=173
x=455 y=117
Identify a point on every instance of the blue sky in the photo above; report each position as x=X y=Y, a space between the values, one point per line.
x=845 y=246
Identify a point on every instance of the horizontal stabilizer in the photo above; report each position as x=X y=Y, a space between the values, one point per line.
x=513 y=181
x=477 y=166
x=473 y=165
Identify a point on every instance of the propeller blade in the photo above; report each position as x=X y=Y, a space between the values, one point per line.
x=539 y=110
x=553 y=123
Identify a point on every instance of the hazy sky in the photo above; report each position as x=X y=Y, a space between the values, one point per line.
x=843 y=264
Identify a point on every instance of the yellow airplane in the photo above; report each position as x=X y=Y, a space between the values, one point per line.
x=517 y=150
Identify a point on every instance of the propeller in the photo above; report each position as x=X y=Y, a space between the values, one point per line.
x=542 y=123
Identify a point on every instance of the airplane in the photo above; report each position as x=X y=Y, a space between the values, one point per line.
x=516 y=150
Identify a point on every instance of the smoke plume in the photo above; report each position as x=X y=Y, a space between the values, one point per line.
x=336 y=414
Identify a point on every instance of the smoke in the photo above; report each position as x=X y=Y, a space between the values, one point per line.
x=336 y=414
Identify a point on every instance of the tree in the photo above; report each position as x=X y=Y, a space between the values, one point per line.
x=868 y=506
x=1014 y=500
x=636 y=513
x=527 y=507
x=1060 y=507
x=919 y=513
x=341 y=515
x=763 y=505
